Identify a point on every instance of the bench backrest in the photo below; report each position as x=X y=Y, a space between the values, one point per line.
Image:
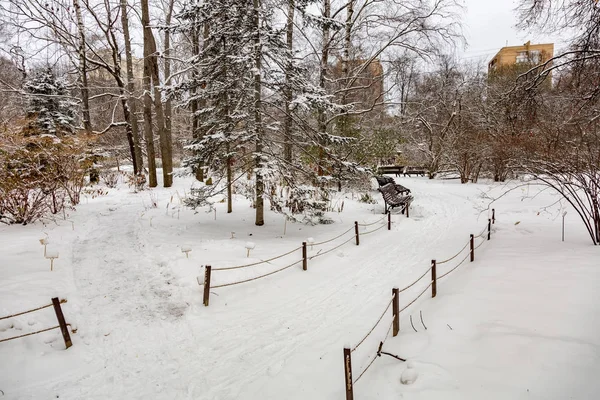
x=383 y=180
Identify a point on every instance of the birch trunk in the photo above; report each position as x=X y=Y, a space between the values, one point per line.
x=85 y=96
x=138 y=164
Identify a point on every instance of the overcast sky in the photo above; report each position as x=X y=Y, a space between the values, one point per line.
x=489 y=24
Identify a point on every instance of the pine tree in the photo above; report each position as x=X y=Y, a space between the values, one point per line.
x=49 y=103
x=243 y=74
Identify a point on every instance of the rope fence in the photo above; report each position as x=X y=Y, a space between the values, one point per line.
x=395 y=324
x=305 y=258
x=258 y=262
x=332 y=239
x=62 y=301
x=59 y=316
x=373 y=223
x=374 y=326
x=454 y=256
x=458 y=265
x=353 y=237
x=374 y=230
x=258 y=277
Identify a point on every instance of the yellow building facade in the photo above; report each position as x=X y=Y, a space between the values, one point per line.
x=532 y=54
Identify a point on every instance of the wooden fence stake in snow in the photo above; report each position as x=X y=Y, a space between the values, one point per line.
x=407 y=208
x=389 y=221
x=61 y=322
x=472 y=248
x=489 y=229
x=433 y=278
x=304 y=258
x=207 y=271
x=348 y=373
x=396 y=310
x=356 y=232
x=493 y=216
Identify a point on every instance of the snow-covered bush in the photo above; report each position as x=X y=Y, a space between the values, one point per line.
x=110 y=177
x=367 y=198
x=137 y=182
x=38 y=173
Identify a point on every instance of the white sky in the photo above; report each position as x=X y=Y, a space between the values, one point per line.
x=489 y=24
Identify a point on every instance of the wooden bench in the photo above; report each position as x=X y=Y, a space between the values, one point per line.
x=419 y=171
x=390 y=169
x=393 y=198
x=384 y=180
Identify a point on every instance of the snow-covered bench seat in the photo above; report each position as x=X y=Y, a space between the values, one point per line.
x=393 y=198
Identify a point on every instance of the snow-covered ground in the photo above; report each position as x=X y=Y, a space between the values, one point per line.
x=522 y=321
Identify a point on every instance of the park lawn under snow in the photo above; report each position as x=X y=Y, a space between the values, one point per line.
x=522 y=321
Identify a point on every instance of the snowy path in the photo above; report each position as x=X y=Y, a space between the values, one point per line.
x=143 y=332
x=285 y=328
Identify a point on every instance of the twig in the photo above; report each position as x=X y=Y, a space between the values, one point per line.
x=421 y=314
x=450 y=327
x=380 y=352
x=393 y=355
x=411 y=323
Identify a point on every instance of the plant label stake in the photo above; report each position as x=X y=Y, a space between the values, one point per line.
x=564 y=214
x=186 y=250
x=51 y=254
x=44 y=242
x=249 y=246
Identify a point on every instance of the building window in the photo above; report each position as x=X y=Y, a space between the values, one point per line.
x=536 y=56
x=522 y=57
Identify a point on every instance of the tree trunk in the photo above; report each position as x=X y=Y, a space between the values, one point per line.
x=288 y=93
x=85 y=97
x=193 y=92
x=149 y=135
x=117 y=74
x=138 y=162
x=321 y=117
x=260 y=185
x=167 y=52
x=229 y=182
x=151 y=58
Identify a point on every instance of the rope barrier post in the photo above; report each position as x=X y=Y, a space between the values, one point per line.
x=493 y=215
x=433 y=279
x=356 y=232
x=389 y=221
x=489 y=229
x=304 y=257
x=348 y=373
x=472 y=242
x=396 y=310
x=61 y=322
x=207 y=271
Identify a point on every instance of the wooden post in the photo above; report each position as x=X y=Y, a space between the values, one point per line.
x=207 y=271
x=348 y=373
x=396 y=310
x=61 y=322
x=356 y=232
x=433 y=278
x=489 y=229
x=472 y=248
x=304 y=257
x=493 y=216
x=407 y=208
x=389 y=221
